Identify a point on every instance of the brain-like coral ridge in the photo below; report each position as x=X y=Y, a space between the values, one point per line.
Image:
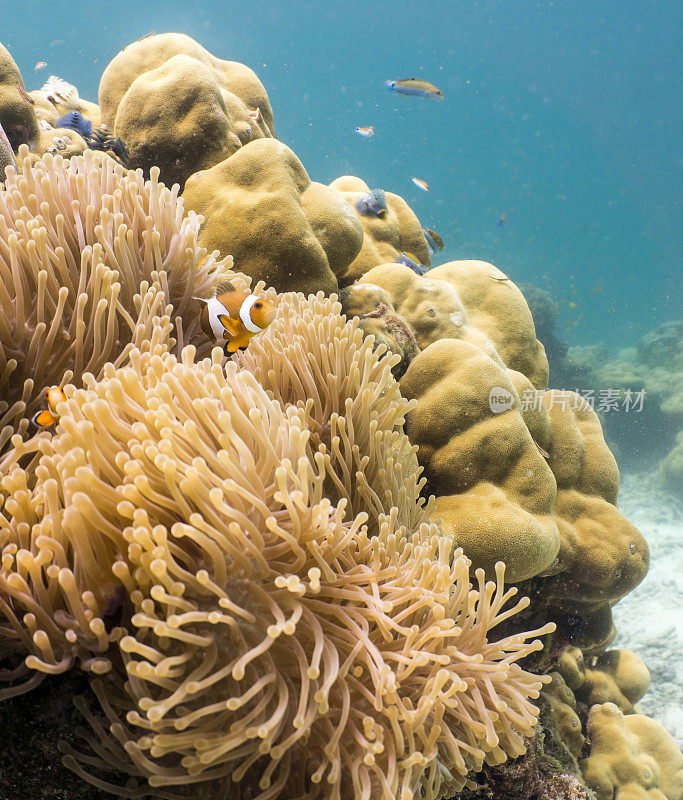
x=180 y=108
x=520 y=473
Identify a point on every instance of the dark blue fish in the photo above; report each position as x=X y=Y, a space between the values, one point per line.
x=372 y=204
x=75 y=121
x=409 y=260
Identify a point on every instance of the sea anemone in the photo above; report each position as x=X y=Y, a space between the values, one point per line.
x=269 y=638
x=82 y=242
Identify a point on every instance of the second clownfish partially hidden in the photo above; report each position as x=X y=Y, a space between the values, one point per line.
x=232 y=317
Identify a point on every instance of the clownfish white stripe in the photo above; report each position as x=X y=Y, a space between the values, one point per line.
x=216 y=309
x=245 y=314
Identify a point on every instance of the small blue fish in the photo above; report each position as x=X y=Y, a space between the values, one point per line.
x=75 y=121
x=434 y=241
x=502 y=220
x=372 y=204
x=409 y=260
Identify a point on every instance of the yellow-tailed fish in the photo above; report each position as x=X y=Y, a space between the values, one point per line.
x=411 y=260
x=414 y=86
x=434 y=241
x=421 y=184
x=232 y=317
x=366 y=132
x=40 y=65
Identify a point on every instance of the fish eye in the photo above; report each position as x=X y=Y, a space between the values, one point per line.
x=258 y=305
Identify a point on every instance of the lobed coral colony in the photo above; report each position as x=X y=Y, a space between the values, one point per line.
x=289 y=572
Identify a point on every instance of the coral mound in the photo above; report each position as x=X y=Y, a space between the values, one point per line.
x=385 y=237
x=180 y=108
x=17 y=117
x=520 y=473
x=632 y=757
x=261 y=208
x=269 y=638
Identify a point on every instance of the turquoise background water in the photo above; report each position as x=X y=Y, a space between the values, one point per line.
x=565 y=116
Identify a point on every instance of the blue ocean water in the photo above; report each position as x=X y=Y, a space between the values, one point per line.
x=563 y=116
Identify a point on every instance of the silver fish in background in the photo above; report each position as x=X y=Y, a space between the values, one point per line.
x=372 y=204
x=6 y=154
x=414 y=86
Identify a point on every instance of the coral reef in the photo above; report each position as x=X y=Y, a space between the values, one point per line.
x=28 y=118
x=385 y=236
x=602 y=555
x=432 y=310
x=180 y=108
x=378 y=318
x=261 y=207
x=655 y=366
x=287 y=574
x=563 y=708
x=641 y=431
x=496 y=306
x=547 y=771
x=495 y=492
x=631 y=756
x=613 y=676
x=623 y=753
x=469 y=300
x=520 y=473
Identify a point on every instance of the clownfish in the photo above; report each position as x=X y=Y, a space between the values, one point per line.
x=233 y=317
x=48 y=416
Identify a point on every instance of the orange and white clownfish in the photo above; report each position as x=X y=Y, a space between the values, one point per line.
x=48 y=416
x=233 y=317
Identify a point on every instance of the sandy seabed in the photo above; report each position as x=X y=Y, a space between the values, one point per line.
x=650 y=619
